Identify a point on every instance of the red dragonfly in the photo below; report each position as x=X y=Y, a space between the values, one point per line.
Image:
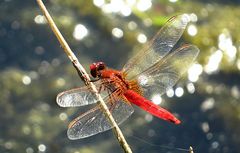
x=153 y=70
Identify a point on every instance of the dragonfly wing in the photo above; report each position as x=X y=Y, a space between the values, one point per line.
x=82 y=96
x=164 y=74
x=94 y=121
x=158 y=47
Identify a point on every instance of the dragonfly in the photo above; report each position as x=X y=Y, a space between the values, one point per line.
x=153 y=70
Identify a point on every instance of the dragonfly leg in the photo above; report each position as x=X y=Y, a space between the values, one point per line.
x=104 y=86
x=112 y=106
x=114 y=97
x=94 y=80
x=125 y=100
x=111 y=97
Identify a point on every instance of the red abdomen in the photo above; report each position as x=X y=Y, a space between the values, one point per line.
x=150 y=107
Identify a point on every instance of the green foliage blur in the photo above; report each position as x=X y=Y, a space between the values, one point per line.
x=34 y=69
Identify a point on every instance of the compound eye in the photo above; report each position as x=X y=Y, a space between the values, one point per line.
x=93 y=70
x=101 y=66
x=93 y=73
x=93 y=66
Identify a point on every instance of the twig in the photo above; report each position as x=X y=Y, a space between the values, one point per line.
x=191 y=149
x=85 y=77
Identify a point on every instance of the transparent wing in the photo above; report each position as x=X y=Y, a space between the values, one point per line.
x=83 y=96
x=165 y=73
x=94 y=121
x=158 y=47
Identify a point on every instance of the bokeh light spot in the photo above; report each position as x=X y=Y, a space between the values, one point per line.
x=148 y=117
x=98 y=3
x=40 y=19
x=194 y=71
x=207 y=104
x=63 y=116
x=213 y=62
x=42 y=148
x=142 y=38
x=170 y=92
x=144 y=5
x=117 y=32
x=190 y=88
x=29 y=150
x=156 y=99
x=80 y=32
x=179 y=91
x=132 y=25
x=26 y=80
x=192 y=30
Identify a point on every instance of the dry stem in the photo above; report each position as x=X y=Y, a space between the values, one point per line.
x=191 y=149
x=85 y=77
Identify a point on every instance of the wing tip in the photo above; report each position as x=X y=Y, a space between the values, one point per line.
x=59 y=100
x=184 y=18
x=193 y=48
x=72 y=137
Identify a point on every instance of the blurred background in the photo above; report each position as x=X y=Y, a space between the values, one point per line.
x=34 y=69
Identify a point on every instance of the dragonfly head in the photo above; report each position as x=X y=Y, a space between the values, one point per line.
x=95 y=69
